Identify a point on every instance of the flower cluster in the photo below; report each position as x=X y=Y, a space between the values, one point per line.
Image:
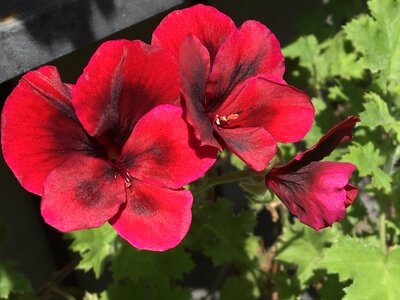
x=144 y=120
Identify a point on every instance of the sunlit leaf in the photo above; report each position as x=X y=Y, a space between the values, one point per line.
x=374 y=274
x=94 y=246
x=377 y=36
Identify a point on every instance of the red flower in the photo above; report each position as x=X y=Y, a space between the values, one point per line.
x=110 y=152
x=317 y=192
x=231 y=82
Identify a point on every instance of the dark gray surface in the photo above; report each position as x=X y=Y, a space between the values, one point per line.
x=32 y=35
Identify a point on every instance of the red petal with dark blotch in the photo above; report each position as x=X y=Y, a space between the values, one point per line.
x=162 y=149
x=317 y=193
x=83 y=192
x=154 y=218
x=39 y=128
x=124 y=80
x=255 y=146
x=194 y=68
x=205 y=22
x=341 y=133
x=285 y=112
x=252 y=49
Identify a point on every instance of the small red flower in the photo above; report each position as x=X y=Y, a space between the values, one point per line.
x=317 y=192
x=232 y=86
x=111 y=148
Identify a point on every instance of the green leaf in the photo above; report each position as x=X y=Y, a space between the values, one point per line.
x=91 y=296
x=339 y=62
x=381 y=180
x=144 y=290
x=304 y=247
x=316 y=131
x=332 y=288
x=237 y=288
x=219 y=233
x=368 y=161
x=94 y=246
x=11 y=281
x=374 y=274
x=135 y=265
x=327 y=60
x=376 y=114
x=288 y=286
x=307 y=50
x=378 y=37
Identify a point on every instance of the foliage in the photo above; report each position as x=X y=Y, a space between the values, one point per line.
x=349 y=66
x=368 y=266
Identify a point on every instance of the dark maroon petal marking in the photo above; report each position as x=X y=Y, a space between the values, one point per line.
x=341 y=133
x=252 y=49
x=83 y=192
x=317 y=193
x=194 y=67
x=154 y=218
x=124 y=80
x=163 y=151
x=40 y=129
x=255 y=146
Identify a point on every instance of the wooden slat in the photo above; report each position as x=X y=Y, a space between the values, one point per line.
x=55 y=28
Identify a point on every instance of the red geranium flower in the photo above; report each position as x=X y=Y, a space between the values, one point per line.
x=110 y=152
x=317 y=192
x=231 y=82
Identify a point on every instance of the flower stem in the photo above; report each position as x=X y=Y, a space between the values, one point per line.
x=227 y=178
x=233 y=177
x=382 y=231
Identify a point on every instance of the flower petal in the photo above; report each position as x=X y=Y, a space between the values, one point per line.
x=83 y=192
x=163 y=151
x=252 y=49
x=285 y=112
x=39 y=128
x=351 y=194
x=194 y=67
x=317 y=193
x=123 y=80
x=255 y=146
x=154 y=218
x=205 y=22
x=341 y=133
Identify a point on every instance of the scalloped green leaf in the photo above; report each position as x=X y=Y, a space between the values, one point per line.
x=94 y=246
x=136 y=265
x=377 y=37
x=12 y=281
x=237 y=288
x=325 y=60
x=368 y=161
x=221 y=234
x=150 y=290
x=377 y=114
x=374 y=274
x=304 y=247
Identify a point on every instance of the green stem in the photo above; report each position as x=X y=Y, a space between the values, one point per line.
x=382 y=231
x=233 y=177
x=227 y=178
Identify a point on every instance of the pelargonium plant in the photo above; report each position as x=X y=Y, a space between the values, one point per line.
x=143 y=121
